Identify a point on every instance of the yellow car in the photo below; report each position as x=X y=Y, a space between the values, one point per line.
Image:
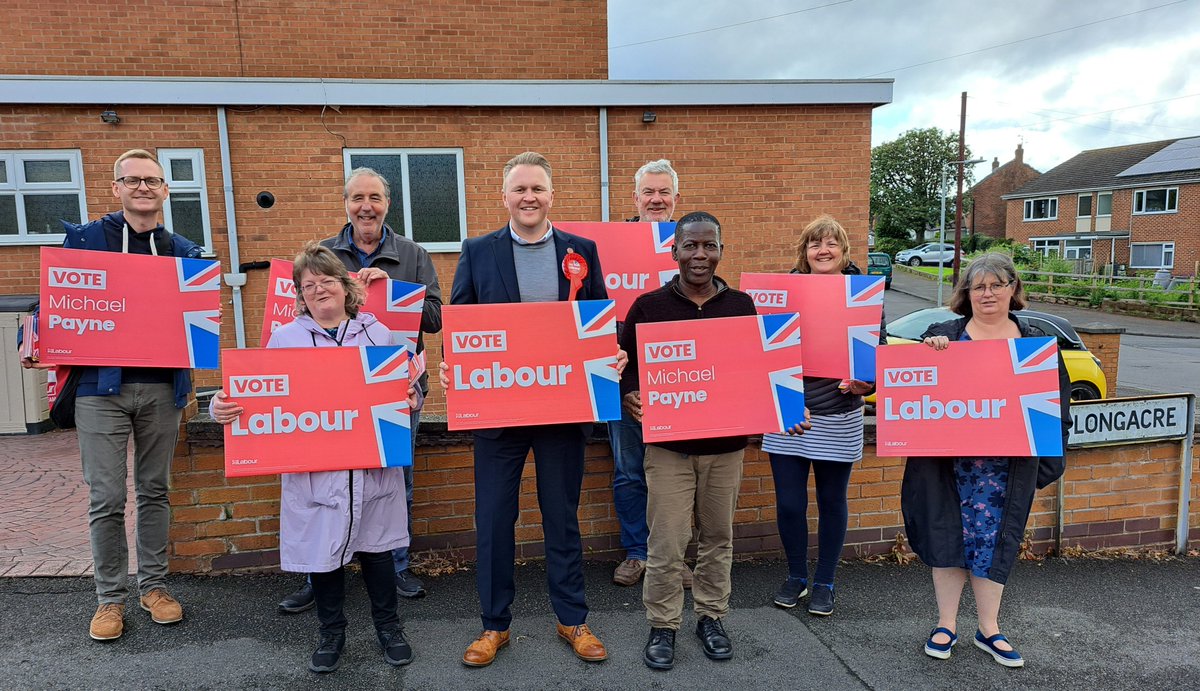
x=1087 y=376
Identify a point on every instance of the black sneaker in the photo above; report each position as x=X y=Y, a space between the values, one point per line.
x=790 y=592
x=821 y=602
x=659 y=652
x=396 y=650
x=300 y=601
x=717 y=645
x=408 y=585
x=328 y=654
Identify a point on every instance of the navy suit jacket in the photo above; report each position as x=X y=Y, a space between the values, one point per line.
x=487 y=274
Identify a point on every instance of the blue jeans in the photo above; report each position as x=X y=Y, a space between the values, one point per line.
x=400 y=554
x=629 y=484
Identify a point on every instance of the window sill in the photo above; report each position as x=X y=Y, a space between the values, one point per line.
x=1039 y=220
x=32 y=240
x=1155 y=213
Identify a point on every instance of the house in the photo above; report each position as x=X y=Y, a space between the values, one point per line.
x=989 y=209
x=1136 y=206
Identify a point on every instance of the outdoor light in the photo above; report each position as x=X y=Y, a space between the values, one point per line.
x=110 y=116
x=649 y=117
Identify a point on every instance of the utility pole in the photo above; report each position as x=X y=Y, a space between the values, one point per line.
x=958 y=210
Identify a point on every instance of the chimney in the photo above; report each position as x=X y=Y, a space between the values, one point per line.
x=1019 y=157
x=995 y=163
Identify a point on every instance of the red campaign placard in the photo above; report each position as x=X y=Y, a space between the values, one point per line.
x=129 y=310
x=976 y=398
x=720 y=377
x=839 y=318
x=534 y=363
x=396 y=304
x=310 y=409
x=636 y=257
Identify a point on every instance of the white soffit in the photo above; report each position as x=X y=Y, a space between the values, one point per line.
x=436 y=93
x=1181 y=155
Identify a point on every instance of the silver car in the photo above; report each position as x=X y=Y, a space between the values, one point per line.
x=929 y=253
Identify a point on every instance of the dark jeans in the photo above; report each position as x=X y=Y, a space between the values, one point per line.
x=380 y=579
x=400 y=554
x=791 y=515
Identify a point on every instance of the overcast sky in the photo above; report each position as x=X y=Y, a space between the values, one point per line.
x=1136 y=76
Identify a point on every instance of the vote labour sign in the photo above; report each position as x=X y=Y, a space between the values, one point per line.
x=720 y=377
x=976 y=398
x=839 y=317
x=396 y=304
x=533 y=363
x=310 y=409
x=129 y=310
x=636 y=257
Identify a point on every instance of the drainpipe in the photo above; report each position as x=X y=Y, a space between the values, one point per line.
x=604 y=165
x=235 y=279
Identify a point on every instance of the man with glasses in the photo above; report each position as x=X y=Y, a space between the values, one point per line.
x=368 y=245
x=114 y=402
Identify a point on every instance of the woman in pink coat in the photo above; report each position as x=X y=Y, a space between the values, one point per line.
x=328 y=518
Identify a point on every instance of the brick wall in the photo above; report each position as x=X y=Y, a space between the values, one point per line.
x=990 y=211
x=389 y=39
x=1105 y=343
x=1115 y=497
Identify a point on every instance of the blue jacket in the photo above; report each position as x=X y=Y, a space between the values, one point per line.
x=106 y=381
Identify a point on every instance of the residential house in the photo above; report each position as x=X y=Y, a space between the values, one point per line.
x=989 y=210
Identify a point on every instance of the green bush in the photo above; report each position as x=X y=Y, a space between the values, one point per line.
x=891 y=246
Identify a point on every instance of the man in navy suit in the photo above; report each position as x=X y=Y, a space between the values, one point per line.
x=528 y=260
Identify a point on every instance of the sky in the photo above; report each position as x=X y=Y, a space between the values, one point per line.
x=1057 y=76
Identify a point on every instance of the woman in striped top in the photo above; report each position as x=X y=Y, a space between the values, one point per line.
x=830 y=448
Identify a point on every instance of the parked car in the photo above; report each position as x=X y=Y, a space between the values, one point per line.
x=1087 y=375
x=880 y=264
x=929 y=253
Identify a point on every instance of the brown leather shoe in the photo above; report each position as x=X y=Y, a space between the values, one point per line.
x=108 y=622
x=483 y=650
x=585 y=644
x=629 y=572
x=163 y=608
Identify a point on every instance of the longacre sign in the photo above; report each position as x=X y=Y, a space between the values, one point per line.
x=1119 y=420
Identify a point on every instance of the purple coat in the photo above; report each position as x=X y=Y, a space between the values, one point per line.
x=325 y=517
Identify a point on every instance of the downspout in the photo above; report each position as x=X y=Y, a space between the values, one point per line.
x=604 y=164
x=235 y=279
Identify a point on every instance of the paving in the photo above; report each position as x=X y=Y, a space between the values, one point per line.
x=1082 y=624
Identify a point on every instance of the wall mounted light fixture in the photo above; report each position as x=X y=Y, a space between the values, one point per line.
x=110 y=117
x=649 y=116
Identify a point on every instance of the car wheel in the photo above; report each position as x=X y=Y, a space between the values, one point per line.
x=1083 y=391
x=915 y=261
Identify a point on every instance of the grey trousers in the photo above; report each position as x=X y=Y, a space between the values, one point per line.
x=148 y=412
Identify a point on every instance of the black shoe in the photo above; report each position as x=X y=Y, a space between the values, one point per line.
x=408 y=585
x=300 y=601
x=396 y=650
x=821 y=602
x=790 y=592
x=717 y=645
x=328 y=653
x=660 y=649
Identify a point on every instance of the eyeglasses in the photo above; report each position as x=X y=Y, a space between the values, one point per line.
x=327 y=285
x=992 y=288
x=134 y=183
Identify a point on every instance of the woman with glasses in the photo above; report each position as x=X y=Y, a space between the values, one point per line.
x=965 y=517
x=329 y=518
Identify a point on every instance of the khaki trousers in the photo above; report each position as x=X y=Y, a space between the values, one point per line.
x=679 y=487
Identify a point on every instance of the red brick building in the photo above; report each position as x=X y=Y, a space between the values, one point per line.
x=989 y=211
x=1136 y=205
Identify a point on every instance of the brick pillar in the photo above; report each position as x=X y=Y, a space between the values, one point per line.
x=1104 y=342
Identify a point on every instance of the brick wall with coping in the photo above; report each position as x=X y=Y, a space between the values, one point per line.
x=1105 y=343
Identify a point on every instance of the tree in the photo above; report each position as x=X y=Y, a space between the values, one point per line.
x=906 y=186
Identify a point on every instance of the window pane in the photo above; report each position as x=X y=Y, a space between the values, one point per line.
x=187 y=216
x=181 y=170
x=1085 y=205
x=387 y=165
x=1104 y=205
x=8 y=214
x=47 y=171
x=1156 y=200
x=44 y=211
x=1146 y=255
x=433 y=186
x=3 y=172
x=1172 y=200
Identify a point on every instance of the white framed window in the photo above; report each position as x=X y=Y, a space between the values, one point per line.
x=186 y=210
x=38 y=189
x=1085 y=206
x=429 y=201
x=1047 y=248
x=1152 y=255
x=1077 y=249
x=1104 y=204
x=1164 y=200
x=1044 y=209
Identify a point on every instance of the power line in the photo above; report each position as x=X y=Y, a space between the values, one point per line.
x=1072 y=116
x=729 y=26
x=1022 y=40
